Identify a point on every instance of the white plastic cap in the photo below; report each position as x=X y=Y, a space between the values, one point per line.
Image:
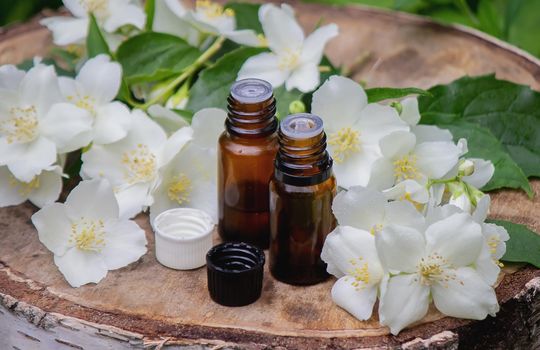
x=183 y=237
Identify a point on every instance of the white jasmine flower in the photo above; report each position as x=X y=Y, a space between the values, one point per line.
x=424 y=133
x=354 y=128
x=494 y=246
x=190 y=179
x=495 y=236
x=167 y=119
x=404 y=159
x=94 y=90
x=211 y=17
x=294 y=59
x=132 y=165
x=10 y=77
x=168 y=18
x=207 y=18
x=409 y=190
x=351 y=256
x=35 y=123
x=110 y=14
x=482 y=172
x=431 y=133
x=437 y=263
x=463 y=192
x=86 y=235
x=367 y=209
x=409 y=111
x=43 y=189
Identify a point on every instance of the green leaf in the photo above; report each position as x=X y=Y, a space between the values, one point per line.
x=384 y=93
x=510 y=111
x=523 y=30
x=155 y=56
x=150 y=10
x=247 y=15
x=95 y=41
x=212 y=87
x=185 y=114
x=489 y=15
x=483 y=144
x=449 y=15
x=524 y=244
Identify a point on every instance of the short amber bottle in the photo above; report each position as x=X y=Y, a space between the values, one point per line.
x=247 y=149
x=301 y=195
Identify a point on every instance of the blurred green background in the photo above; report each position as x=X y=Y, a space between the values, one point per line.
x=13 y=11
x=515 y=21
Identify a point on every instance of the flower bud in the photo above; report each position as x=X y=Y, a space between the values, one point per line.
x=397 y=105
x=297 y=106
x=463 y=202
x=466 y=168
x=179 y=99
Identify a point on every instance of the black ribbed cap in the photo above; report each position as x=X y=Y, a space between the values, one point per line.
x=235 y=273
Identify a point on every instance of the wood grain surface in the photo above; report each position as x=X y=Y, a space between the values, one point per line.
x=146 y=305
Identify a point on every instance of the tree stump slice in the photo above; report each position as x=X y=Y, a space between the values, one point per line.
x=148 y=306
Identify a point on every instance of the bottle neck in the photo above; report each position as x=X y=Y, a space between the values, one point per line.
x=303 y=162
x=251 y=120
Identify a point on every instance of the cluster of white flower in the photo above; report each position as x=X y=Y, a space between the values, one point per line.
x=411 y=216
x=112 y=15
x=411 y=220
x=43 y=117
x=208 y=19
x=376 y=146
x=149 y=169
x=294 y=59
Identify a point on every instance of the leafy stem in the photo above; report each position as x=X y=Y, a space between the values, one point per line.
x=186 y=74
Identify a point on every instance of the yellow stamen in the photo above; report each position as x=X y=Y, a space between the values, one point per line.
x=407 y=197
x=289 y=59
x=405 y=168
x=359 y=273
x=140 y=165
x=376 y=229
x=346 y=142
x=493 y=242
x=24 y=188
x=85 y=102
x=99 y=8
x=212 y=9
x=88 y=235
x=263 y=42
x=435 y=269
x=179 y=189
x=21 y=125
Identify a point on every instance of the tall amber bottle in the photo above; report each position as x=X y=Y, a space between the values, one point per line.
x=247 y=149
x=301 y=194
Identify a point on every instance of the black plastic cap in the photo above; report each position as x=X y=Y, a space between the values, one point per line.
x=235 y=273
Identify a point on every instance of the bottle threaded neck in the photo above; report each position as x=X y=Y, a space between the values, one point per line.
x=251 y=109
x=302 y=158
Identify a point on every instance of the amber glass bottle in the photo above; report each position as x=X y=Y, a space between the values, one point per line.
x=301 y=194
x=247 y=149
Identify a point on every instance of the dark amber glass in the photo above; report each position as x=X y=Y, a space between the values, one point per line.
x=301 y=195
x=247 y=149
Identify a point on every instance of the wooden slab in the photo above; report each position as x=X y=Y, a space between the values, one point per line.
x=147 y=304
